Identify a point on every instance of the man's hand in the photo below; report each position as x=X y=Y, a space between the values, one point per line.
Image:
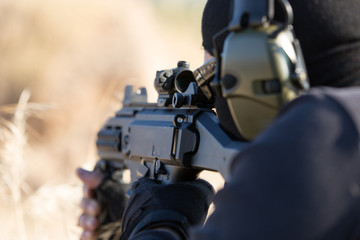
x=88 y=221
x=103 y=202
x=157 y=210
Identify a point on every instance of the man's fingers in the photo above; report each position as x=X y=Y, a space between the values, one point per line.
x=90 y=179
x=88 y=222
x=87 y=235
x=90 y=207
x=88 y=193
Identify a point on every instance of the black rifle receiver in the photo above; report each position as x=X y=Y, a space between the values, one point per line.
x=173 y=139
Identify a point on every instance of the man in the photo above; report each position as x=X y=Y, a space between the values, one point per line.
x=300 y=178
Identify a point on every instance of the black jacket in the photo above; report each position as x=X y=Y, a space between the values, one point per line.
x=300 y=179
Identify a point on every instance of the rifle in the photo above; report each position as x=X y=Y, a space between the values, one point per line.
x=173 y=139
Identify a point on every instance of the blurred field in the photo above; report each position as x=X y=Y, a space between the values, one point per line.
x=74 y=59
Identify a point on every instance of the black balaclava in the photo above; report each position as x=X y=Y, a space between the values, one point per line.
x=329 y=34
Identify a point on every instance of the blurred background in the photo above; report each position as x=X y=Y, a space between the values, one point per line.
x=63 y=68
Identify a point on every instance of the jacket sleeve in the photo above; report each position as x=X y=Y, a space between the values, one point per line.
x=300 y=179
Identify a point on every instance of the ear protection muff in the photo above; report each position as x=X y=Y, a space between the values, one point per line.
x=261 y=66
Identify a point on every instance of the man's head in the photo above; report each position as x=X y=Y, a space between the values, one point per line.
x=327 y=30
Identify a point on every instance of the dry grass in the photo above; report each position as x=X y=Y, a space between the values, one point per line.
x=76 y=57
x=13 y=167
x=13 y=141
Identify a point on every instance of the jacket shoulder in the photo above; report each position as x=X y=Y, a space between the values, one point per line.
x=348 y=99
